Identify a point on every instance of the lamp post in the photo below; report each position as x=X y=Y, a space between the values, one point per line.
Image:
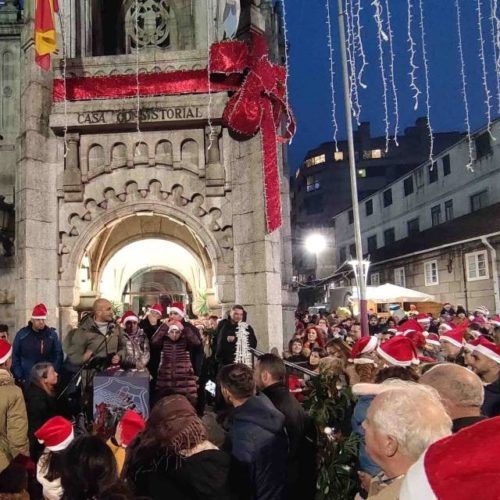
x=352 y=170
x=6 y=226
x=360 y=269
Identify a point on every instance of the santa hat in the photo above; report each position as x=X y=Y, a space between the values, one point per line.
x=131 y=424
x=364 y=345
x=39 y=312
x=175 y=324
x=398 y=351
x=446 y=326
x=417 y=338
x=410 y=326
x=470 y=474
x=471 y=345
x=432 y=339
x=488 y=349
x=394 y=331
x=454 y=336
x=129 y=316
x=423 y=318
x=157 y=308
x=5 y=351
x=56 y=434
x=177 y=307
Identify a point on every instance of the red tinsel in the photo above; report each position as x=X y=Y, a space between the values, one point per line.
x=258 y=103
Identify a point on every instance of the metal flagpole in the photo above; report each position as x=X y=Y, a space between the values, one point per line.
x=352 y=169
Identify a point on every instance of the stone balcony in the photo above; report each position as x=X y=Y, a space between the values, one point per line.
x=149 y=62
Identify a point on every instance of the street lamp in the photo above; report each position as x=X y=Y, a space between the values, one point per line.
x=6 y=226
x=315 y=243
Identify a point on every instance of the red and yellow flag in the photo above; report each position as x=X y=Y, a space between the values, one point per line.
x=45 y=31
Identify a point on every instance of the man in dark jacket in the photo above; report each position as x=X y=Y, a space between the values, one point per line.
x=226 y=336
x=256 y=439
x=270 y=375
x=34 y=344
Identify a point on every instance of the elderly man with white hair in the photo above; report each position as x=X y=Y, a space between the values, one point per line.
x=400 y=424
x=461 y=392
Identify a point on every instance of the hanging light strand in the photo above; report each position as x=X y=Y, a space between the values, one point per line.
x=351 y=54
x=211 y=132
x=332 y=74
x=285 y=39
x=427 y=84
x=482 y=58
x=64 y=75
x=495 y=38
x=137 y=79
x=411 y=50
x=381 y=38
x=391 y=72
x=360 y=48
x=464 y=86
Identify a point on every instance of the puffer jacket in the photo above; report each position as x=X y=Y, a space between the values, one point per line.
x=136 y=350
x=13 y=421
x=176 y=374
x=87 y=337
x=31 y=347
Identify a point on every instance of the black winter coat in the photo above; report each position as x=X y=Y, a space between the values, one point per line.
x=259 y=450
x=301 y=435
x=227 y=350
x=491 y=405
x=204 y=476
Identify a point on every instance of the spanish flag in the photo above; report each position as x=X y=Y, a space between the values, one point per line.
x=45 y=31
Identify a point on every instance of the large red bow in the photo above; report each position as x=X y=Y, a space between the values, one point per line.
x=259 y=103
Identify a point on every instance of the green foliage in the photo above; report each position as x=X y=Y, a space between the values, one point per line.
x=117 y=308
x=201 y=305
x=329 y=407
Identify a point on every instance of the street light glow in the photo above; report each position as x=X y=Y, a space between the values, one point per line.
x=315 y=243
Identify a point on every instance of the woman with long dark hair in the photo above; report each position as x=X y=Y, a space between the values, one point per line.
x=172 y=458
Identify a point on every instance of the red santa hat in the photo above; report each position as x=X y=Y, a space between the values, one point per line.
x=398 y=351
x=5 y=351
x=470 y=346
x=177 y=307
x=129 y=316
x=446 y=326
x=469 y=474
x=410 y=325
x=454 y=336
x=39 y=312
x=56 y=434
x=423 y=318
x=131 y=424
x=495 y=320
x=157 y=308
x=488 y=349
x=172 y=325
x=364 y=345
x=417 y=338
x=432 y=339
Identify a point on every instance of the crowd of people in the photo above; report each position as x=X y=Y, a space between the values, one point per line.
x=422 y=387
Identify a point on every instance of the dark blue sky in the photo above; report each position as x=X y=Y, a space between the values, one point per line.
x=309 y=81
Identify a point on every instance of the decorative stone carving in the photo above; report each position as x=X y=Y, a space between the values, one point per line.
x=214 y=170
x=72 y=178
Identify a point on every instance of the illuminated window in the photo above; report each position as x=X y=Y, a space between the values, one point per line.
x=373 y=154
x=376 y=153
x=338 y=155
x=362 y=172
x=312 y=183
x=315 y=160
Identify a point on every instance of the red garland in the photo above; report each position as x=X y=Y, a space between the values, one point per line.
x=258 y=103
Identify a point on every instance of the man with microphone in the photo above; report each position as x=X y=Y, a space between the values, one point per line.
x=96 y=344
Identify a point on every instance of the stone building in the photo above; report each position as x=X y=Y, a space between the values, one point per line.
x=435 y=229
x=166 y=207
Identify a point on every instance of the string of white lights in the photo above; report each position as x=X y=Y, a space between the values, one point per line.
x=482 y=58
x=351 y=54
x=65 y=83
x=464 y=85
x=391 y=72
x=332 y=74
x=137 y=80
x=427 y=84
x=411 y=49
x=495 y=36
x=381 y=37
x=285 y=39
x=209 y=82
x=359 y=44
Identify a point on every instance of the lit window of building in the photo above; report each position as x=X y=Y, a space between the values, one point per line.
x=338 y=155
x=362 y=172
x=373 y=154
x=377 y=153
x=315 y=160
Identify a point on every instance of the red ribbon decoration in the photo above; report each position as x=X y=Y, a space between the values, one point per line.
x=259 y=101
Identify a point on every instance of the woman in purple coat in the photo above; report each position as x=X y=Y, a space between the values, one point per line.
x=176 y=374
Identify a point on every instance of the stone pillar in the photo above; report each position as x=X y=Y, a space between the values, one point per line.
x=36 y=195
x=72 y=178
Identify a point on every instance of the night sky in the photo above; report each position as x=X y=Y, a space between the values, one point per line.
x=309 y=81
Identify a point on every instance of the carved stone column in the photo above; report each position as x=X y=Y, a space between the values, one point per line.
x=214 y=170
x=72 y=179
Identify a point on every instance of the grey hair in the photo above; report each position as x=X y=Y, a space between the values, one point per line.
x=456 y=383
x=411 y=413
x=39 y=372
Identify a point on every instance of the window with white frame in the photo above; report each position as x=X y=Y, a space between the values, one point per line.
x=375 y=279
x=431 y=273
x=399 y=276
x=476 y=264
